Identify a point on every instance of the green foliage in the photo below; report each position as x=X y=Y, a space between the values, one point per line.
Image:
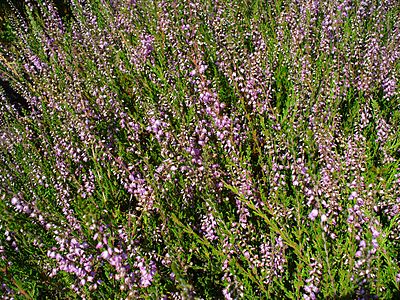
x=244 y=149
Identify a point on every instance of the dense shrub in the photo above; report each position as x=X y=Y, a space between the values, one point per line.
x=201 y=150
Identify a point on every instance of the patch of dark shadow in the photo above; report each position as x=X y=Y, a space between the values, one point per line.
x=255 y=163
x=63 y=7
x=249 y=44
x=18 y=101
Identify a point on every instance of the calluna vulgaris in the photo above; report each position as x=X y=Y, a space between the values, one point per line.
x=235 y=149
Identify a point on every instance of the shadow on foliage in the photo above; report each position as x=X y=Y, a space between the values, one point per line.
x=15 y=99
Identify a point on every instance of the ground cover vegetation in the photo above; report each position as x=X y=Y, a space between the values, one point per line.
x=201 y=150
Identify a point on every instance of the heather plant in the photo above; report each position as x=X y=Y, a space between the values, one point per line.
x=201 y=150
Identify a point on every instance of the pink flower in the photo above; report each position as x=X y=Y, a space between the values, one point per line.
x=313 y=214
x=14 y=201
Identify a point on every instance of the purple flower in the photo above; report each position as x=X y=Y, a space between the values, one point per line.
x=313 y=214
x=14 y=201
